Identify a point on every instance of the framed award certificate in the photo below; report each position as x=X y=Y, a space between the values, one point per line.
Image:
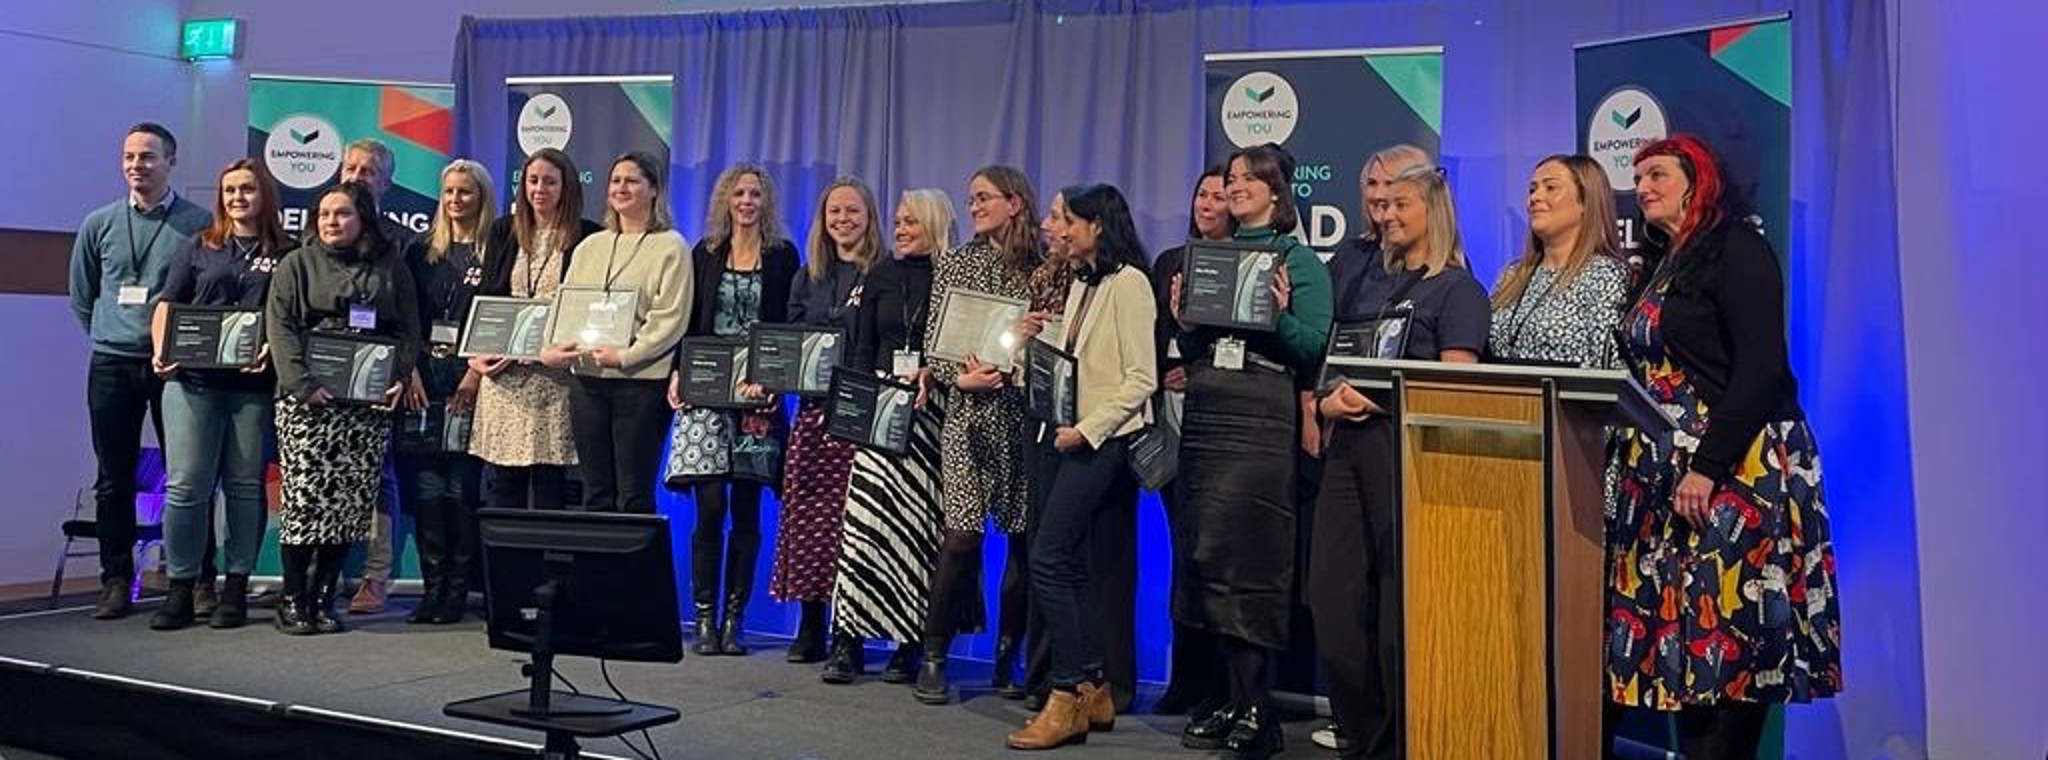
x=212 y=337
x=591 y=317
x=1382 y=337
x=712 y=369
x=356 y=369
x=1229 y=284
x=512 y=328
x=1049 y=377
x=871 y=410
x=794 y=358
x=979 y=324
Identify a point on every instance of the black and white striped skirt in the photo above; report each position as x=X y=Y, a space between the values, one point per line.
x=889 y=545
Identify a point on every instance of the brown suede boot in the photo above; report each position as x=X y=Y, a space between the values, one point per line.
x=1059 y=724
x=1096 y=706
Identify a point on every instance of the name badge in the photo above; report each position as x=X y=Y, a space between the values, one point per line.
x=132 y=295
x=1229 y=354
x=444 y=332
x=602 y=315
x=906 y=364
x=362 y=316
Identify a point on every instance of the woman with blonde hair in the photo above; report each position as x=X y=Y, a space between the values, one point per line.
x=725 y=458
x=1560 y=300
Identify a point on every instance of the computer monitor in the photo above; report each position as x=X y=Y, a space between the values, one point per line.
x=606 y=583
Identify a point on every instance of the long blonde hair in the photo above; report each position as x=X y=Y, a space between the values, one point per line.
x=1446 y=247
x=1597 y=236
x=933 y=209
x=823 y=251
x=718 y=217
x=442 y=233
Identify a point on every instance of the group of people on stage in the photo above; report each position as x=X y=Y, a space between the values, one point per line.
x=1721 y=583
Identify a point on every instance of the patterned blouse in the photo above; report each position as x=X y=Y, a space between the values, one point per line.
x=1575 y=324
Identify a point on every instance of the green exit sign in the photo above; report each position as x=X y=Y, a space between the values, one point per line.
x=209 y=38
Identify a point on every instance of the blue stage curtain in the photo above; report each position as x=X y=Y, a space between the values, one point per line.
x=1111 y=90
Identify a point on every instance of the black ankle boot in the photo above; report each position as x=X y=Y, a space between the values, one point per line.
x=327 y=584
x=454 y=601
x=931 y=685
x=740 y=552
x=849 y=658
x=176 y=611
x=729 y=629
x=902 y=667
x=294 y=601
x=1005 y=678
x=1207 y=729
x=232 y=609
x=1255 y=736
x=429 y=606
x=705 y=628
x=809 y=645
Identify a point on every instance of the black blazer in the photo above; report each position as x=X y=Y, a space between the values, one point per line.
x=778 y=266
x=501 y=248
x=1724 y=325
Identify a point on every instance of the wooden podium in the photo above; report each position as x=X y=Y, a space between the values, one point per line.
x=1502 y=505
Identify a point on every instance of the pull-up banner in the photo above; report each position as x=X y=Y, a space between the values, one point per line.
x=1332 y=109
x=300 y=128
x=1730 y=85
x=593 y=119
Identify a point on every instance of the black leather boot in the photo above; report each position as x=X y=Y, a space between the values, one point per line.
x=705 y=555
x=326 y=585
x=1005 y=678
x=1206 y=730
x=931 y=685
x=705 y=628
x=809 y=645
x=902 y=667
x=176 y=611
x=1255 y=736
x=740 y=551
x=849 y=658
x=433 y=568
x=232 y=609
x=294 y=605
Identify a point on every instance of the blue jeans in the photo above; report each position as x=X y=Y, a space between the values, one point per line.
x=213 y=436
x=1086 y=482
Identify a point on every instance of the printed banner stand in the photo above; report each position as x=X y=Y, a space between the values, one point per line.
x=1729 y=84
x=593 y=119
x=1332 y=109
x=300 y=128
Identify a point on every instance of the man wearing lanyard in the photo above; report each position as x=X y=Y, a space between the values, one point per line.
x=369 y=162
x=117 y=267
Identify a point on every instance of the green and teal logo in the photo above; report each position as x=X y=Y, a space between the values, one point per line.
x=1625 y=121
x=1259 y=108
x=544 y=122
x=303 y=151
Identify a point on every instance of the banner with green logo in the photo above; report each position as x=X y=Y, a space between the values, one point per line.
x=1730 y=85
x=1332 y=109
x=593 y=119
x=300 y=129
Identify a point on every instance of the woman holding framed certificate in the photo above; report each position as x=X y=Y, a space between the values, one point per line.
x=1237 y=473
x=521 y=428
x=632 y=292
x=1354 y=575
x=981 y=442
x=726 y=457
x=438 y=476
x=343 y=322
x=1108 y=329
x=217 y=421
x=892 y=526
x=846 y=247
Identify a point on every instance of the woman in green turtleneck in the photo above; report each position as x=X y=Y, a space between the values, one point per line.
x=1244 y=391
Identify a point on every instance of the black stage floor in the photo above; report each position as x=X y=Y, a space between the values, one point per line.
x=391 y=680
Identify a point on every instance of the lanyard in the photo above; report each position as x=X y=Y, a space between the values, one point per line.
x=609 y=273
x=135 y=255
x=544 y=241
x=913 y=321
x=1521 y=316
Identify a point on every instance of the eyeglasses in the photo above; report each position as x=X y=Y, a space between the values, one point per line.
x=982 y=199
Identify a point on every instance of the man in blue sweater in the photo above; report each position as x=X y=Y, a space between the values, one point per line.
x=117 y=267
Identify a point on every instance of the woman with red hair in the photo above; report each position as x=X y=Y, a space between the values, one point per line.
x=1721 y=595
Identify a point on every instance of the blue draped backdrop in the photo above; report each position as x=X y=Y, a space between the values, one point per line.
x=922 y=94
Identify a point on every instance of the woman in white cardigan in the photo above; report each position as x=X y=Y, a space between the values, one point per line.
x=1110 y=318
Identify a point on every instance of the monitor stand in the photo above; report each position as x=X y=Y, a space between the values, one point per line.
x=562 y=716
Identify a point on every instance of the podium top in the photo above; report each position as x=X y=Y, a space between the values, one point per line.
x=1613 y=387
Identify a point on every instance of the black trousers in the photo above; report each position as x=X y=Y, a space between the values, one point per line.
x=119 y=391
x=619 y=425
x=443 y=490
x=540 y=486
x=1354 y=586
